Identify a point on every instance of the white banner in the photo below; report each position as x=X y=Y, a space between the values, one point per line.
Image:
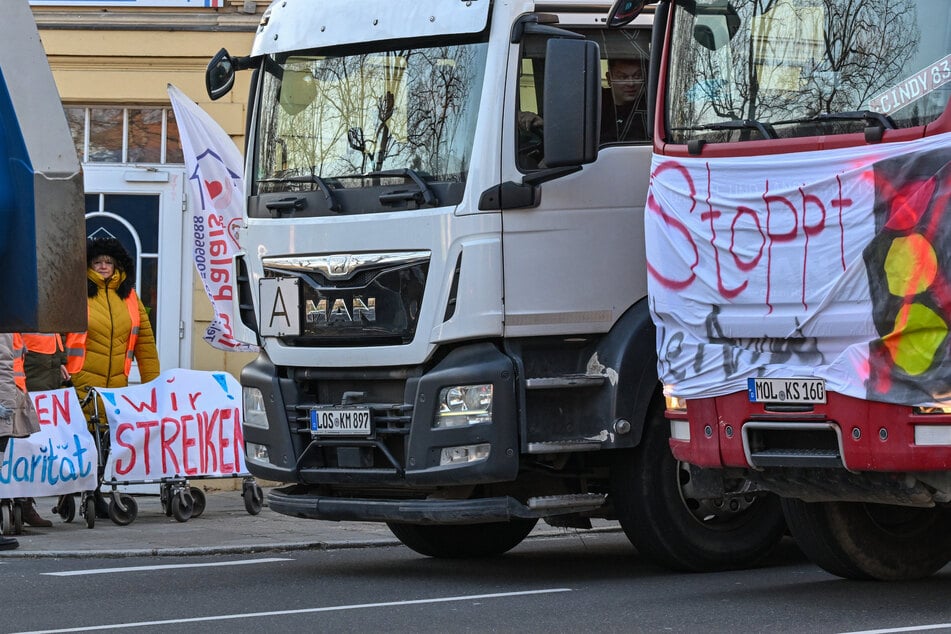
x=214 y=168
x=832 y=264
x=185 y=423
x=60 y=458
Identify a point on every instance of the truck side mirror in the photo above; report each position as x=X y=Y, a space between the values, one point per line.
x=219 y=75
x=572 y=102
x=624 y=11
x=716 y=26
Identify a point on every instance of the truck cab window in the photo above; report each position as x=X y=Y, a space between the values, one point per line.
x=624 y=62
x=342 y=123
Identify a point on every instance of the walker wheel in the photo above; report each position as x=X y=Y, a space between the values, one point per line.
x=182 y=505
x=89 y=511
x=66 y=508
x=253 y=498
x=198 y=501
x=6 y=517
x=167 y=493
x=17 y=519
x=125 y=512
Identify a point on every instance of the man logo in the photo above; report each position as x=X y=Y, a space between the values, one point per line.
x=326 y=312
x=338 y=265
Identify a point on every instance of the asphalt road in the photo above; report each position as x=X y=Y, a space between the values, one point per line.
x=572 y=583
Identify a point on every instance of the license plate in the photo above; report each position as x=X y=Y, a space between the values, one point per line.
x=787 y=390
x=340 y=421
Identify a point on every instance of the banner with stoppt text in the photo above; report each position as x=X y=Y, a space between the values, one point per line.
x=214 y=170
x=831 y=264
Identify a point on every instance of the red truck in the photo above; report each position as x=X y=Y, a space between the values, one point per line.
x=800 y=266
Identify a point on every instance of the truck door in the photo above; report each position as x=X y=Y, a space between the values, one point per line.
x=575 y=262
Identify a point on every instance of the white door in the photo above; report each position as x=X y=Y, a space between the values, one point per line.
x=143 y=209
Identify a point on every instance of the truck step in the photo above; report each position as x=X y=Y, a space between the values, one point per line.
x=564 y=446
x=565 y=380
x=814 y=458
x=574 y=502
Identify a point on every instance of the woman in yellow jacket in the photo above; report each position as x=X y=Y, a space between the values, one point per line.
x=119 y=328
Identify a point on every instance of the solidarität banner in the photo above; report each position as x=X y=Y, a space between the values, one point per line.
x=60 y=458
x=214 y=172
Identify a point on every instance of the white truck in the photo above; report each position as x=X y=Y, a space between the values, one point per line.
x=445 y=272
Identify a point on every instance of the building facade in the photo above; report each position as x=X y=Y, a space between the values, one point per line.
x=112 y=61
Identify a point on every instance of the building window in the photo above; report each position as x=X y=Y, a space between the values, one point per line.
x=109 y=134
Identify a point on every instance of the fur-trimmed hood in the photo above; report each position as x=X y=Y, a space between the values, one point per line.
x=124 y=264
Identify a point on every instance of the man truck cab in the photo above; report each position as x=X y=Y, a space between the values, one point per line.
x=445 y=271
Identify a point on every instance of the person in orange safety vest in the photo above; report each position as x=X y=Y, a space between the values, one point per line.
x=43 y=365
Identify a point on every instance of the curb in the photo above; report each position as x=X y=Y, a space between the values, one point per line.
x=195 y=551
x=251 y=548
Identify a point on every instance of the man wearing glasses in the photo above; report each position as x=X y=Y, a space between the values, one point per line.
x=623 y=104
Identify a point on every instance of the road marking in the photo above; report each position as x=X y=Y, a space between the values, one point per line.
x=333 y=608
x=914 y=628
x=108 y=571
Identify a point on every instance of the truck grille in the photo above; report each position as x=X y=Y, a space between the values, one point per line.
x=380 y=456
x=375 y=302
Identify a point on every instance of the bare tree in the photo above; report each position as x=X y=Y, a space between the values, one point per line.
x=795 y=59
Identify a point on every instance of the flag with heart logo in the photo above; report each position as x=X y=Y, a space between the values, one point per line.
x=214 y=170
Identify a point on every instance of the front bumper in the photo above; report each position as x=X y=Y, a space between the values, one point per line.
x=290 y=501
x=403 y=451
x=845 y=433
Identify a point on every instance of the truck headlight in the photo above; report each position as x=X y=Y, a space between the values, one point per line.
x=462 y=405
x=254 y=414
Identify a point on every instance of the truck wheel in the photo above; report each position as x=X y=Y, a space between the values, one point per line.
x=673 y=528
x=463 y=541
x=856 y=540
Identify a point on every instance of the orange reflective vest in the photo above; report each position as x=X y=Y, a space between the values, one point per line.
x=19 y=351
x=42 y=343
x=76 y=341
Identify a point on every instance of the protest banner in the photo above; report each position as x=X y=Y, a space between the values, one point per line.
x=60 y=458
x=183 y=424
x=215 y=172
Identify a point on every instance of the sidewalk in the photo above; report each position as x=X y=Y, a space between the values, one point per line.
x=224 y=527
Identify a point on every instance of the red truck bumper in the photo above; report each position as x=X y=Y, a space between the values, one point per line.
x=729 y=431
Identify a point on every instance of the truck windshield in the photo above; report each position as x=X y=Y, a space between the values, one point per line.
x=324 y=121
x=754 y=69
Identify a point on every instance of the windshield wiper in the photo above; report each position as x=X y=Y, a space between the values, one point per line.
x=694 y=146
x=425 y=192
x=877 y=122
x=766 y=130
x=332 y=203
x=884 y=121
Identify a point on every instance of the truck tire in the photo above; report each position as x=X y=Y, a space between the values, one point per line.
x=856 y=540
x=670 y=527
x=463 y=541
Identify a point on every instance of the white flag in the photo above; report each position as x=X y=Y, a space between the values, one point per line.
x=214 y=170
